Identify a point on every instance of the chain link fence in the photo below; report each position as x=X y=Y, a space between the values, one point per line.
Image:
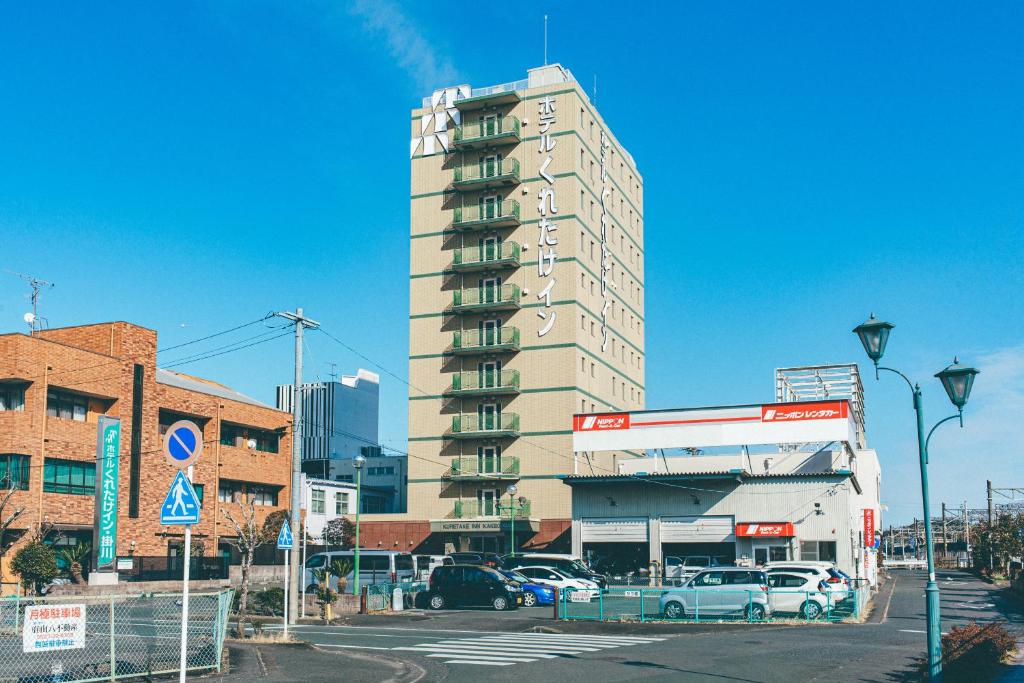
x=103 y=638
x=678 y=604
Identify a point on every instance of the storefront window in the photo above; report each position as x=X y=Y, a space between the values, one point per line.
x=818 y=551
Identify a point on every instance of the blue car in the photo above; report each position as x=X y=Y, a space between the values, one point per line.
x=533 y=593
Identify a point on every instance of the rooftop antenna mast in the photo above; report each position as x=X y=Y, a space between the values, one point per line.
x=32 y=319
x=333 y=374
x=545 y=40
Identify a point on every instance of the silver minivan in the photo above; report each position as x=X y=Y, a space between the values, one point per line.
x=719 y=591
x=375 y=566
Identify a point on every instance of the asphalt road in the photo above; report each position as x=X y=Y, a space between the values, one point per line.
x=527 y=645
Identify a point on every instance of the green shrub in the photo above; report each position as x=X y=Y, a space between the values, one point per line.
x=973 y=652
x=269 y=602
x=36 y=564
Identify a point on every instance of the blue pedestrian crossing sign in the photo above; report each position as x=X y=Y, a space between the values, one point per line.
x=181 y=506
x=284 y=539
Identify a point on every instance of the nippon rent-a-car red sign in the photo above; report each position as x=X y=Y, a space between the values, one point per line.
x=825 y=410
x=769 y=423
x=592 y=423
x=765 y=529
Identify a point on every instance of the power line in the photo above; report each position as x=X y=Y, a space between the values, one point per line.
x=216 y=334
x=236 y=343
x=213 y=355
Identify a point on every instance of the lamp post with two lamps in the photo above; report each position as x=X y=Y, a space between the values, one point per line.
x=357 y=463
x=957 y=380
x=514 y=507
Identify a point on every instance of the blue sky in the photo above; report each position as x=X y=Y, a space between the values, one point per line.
x=191 y=166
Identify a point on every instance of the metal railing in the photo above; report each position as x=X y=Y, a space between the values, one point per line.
x=496 y=381
x=487 y=170
x=486 y=297
x=380 y=596
x=487 y=129
x=485 y=340
x=505 y=211
x=507 y=251
x=496 y=424
x=467 y=509
x=107 y=637
x=680 y=604
x=476 y=467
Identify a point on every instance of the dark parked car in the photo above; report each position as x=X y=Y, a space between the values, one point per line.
x=485 y=559
x=472 y=585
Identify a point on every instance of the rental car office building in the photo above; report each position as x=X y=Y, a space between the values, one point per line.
x=812 y=495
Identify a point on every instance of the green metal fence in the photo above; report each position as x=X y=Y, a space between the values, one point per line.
x=677 y=604
x=109 y=637
x=379 y=596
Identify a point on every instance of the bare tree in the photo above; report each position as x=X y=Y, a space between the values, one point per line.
x=249 y=536
x=7 y=517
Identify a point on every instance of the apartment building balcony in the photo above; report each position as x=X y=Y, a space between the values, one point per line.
x=492 y=96
x=501 y=130
x=484 y=383
x=469 y=509
x=471 y=468
x=489 y=256
x=487 y=215
x=488 y=173
x=487 y=425
x=487 y=340
x=487 y=298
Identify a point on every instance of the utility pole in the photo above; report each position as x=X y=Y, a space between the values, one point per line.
x=301 y=323
x=988 y=491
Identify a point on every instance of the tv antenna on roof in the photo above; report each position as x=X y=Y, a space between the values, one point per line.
x=32 y=319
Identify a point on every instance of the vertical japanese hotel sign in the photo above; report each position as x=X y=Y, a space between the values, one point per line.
x=869 y=527
x=546 y=206
x=606 y=256
x=108 y=451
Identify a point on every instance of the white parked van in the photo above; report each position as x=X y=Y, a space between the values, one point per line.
x=375 y=566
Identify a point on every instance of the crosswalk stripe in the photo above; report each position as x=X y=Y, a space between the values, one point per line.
x=573 y=636
x=584 y=643
x=480 y=656
x=478 y=663
x=476 y=650
x=504 y=644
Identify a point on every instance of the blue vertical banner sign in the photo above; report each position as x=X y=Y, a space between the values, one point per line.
x=108 y=451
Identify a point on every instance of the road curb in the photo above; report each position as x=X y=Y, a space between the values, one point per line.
x=878 y=616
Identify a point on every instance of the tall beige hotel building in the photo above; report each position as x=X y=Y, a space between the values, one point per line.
x=526 y=298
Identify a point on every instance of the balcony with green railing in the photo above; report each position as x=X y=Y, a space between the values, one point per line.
x=482 y=426
x=487 y=173
x=486 y=340
x=469 y=509
x=487 y=131
x=485 y=215
x=487 y=298
x=470 y=467
x=484 y=383
x=487 y=256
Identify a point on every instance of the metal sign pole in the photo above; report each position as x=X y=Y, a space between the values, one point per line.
x=287 y=581
x=302 y=571
x=184 y=595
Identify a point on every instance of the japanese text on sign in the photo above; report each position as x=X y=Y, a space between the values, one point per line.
x=107 y=455
x=606 y=255
x=546 y=206
x=56 y=627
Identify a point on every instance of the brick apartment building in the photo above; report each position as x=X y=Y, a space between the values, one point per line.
x=56 y=383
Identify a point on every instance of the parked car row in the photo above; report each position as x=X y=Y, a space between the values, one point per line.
x=805 y=589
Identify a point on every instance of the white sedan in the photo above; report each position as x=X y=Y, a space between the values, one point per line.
x=798 y=594
x=546 y=576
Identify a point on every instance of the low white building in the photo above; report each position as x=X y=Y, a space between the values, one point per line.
x=324 y=500
x=798 y=484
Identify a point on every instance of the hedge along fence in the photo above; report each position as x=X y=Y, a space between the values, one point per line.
x=972 y=652
x=645 y=604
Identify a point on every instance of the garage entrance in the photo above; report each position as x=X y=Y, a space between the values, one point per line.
x=696 y=541
x=616 y=546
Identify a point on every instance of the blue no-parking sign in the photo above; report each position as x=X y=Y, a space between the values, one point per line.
x=183 y=443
